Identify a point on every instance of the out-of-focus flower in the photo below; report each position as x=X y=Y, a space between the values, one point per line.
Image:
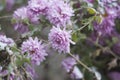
x=9 y=4
x=6 y=41
x=20 y=15
x=107 y=25
x=114 y=75
x=21 y=28
x=60 y=39
x=69 y=64
x=38 y=6
x=31 y=70
x=59 y=12
x=35 y=50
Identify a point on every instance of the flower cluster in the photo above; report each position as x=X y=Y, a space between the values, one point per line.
x=109 y=14
x=35 y=50
x=59 y=13
x=60 y=39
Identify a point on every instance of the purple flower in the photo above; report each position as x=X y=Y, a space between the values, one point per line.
x=31 y=71
x=59 y=12
x=107 y=25
x=5 y=40
x=38 y=6
x=35 y=50
x=20 y=15
x=114 y=75
x=68 y=64
x=60 y=39
x=9 y=4
x=21 y=28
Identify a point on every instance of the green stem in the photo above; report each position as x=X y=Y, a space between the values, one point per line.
x=81 y=63
x=84 y=25
x=2 y=17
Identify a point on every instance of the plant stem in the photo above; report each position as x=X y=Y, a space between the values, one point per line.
x=84 y=25
x=81 y=63
x=2 y=17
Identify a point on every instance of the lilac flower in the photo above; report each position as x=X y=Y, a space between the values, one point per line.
x=6 y=43
x=68 y=64
x=9 y=4
x=21 y=28
x=60 y=39
x=20 y=15
x=31 y=70
x=59 y=12
x=104 y=28
x=35 y=50
x=107 y=25
x=108 y=1
x=32 y=17
x=114 y=75
x=38 y=6
x=5 y=40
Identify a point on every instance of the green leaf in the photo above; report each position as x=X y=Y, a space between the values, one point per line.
x=75 y=37
x=10 y=68
x=91 y=10
x=98 y=19
x=13 y=21
x=20 y=62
